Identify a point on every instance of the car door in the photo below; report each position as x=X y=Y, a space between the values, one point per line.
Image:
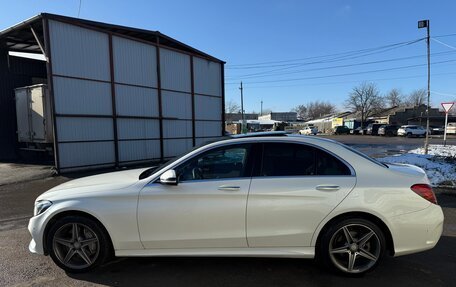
x=207 y=207
x=296 y=186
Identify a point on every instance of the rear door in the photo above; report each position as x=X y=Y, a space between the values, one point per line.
x=295 y=187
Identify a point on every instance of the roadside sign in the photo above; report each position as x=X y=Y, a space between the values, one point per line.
x=447 y=106
x=337 y=122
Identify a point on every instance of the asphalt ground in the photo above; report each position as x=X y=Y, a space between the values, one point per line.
x=18 y=267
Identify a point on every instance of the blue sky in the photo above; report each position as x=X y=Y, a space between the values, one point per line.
x=286 y=33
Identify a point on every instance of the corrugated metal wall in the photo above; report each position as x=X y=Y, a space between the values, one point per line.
x=95 y=73
x=82 y=96
x=208 y=97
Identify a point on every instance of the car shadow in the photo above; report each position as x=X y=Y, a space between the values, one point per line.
x=432 y=268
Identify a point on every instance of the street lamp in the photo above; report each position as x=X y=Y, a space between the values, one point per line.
x=425 y=24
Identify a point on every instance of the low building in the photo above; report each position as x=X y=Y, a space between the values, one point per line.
x=438 y=121
x=401 y=115
x=116 y=95
x=326 y=123
x=396 y=115
x=280 y=116
x=234 y=117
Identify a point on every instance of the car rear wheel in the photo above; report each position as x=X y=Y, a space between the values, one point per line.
x=78 y=244
x=352 y=246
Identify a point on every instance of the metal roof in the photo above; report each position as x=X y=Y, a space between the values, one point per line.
x=20 y=37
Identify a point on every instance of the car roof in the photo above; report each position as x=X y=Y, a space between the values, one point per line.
x=260 y=134
x=281 y=136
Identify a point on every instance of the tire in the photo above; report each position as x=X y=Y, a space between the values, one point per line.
x=90 y=249
x=409 y=135
x=367 y=247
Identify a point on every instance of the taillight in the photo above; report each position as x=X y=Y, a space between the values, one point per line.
x=425 y=191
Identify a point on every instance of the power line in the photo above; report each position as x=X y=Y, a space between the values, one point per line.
x=347 y=74
x=344 y=82
x=268 y=74
x=443 y=36
x=444 y=44
x=444 y=94
x=340 y=55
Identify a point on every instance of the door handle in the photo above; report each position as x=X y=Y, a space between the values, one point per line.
x=229 y=188
x=327 y=187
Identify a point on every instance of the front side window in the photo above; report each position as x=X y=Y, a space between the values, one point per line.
x=227 y=162
x=285 y=159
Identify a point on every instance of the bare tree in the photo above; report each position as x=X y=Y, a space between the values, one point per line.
x=318 y=108
x=301 y=110
x=453 y=109
x=417 y=98
x=394 y=98
x=232 y=107
x=266 y=111
x=364 y=99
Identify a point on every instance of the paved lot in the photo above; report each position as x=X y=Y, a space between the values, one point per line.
x=20 y=268
x=17 y=172
x=379 y=146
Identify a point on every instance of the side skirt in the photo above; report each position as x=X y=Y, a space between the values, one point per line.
x=286 y=252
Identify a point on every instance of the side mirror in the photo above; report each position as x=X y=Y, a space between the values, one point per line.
x=169 y=177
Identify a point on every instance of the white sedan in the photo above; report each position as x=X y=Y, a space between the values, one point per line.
x=274 y=196
x=309 y=131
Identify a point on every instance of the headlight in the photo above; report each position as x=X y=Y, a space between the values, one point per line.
x=41 y=206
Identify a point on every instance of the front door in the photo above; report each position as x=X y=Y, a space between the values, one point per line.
x=207 y=207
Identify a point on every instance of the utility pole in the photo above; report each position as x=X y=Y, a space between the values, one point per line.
x=242 y=109
x=261 y=111
x=425 y=24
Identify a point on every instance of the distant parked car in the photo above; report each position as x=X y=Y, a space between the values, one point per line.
x=434 y=130
x=388 y=130
x=451 y=128
x=411 y=130
x=339 y=130
x=358 y=131
x=372 y=129
x=309 y=131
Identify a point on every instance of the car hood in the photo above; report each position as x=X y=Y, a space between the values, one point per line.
x=111 y=181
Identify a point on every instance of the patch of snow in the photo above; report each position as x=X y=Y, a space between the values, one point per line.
x=439 y=164
x=438 y=150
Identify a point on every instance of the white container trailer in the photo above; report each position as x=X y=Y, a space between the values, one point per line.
x=33 y=114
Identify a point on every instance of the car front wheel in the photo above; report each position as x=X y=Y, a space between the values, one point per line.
x=78 y=244
x=352 y=246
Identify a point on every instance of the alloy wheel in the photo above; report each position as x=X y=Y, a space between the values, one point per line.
x=76 y=245
x=354 y=248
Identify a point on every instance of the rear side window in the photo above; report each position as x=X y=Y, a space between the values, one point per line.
x=284 y=159
x=280 y=159
x=327 y=164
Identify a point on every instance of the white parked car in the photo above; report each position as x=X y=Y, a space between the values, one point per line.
x=309 y=131
x=273 y=196
x=411 y=130
x=451 y=128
